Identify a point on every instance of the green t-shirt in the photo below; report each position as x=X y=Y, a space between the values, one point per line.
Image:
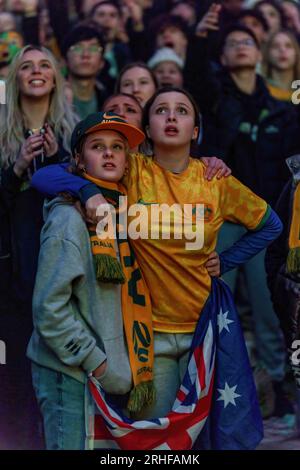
x=84 y=108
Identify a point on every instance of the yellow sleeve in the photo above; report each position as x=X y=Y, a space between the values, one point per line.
x=240 y=205
x=131 y=177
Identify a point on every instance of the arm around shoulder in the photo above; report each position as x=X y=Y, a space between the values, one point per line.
x=60 y=267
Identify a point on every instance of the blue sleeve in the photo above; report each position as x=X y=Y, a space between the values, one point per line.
x=251 y=243
x=54 y=179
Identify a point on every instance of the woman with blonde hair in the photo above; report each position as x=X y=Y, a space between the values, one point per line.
x=35 y=130
x=281 y=64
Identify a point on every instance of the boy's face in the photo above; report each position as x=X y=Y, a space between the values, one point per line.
x=107 y=16
x=104 y=155
x=240 y=51
x=84 y=58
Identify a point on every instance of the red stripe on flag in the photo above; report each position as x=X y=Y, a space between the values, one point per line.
x=175 y=436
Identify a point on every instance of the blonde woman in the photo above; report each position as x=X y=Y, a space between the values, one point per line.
x=281 y=64
x=35 y=130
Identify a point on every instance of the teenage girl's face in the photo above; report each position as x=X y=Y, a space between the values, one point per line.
x=138 y=82
x=172 y=121
x=125 y=107
x=282 y=54
x=104 y=155
x=168 y=73
x=35 y=76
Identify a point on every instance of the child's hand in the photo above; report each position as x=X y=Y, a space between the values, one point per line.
x=30 y=149
x=91 y=207
x=99 y=371
x=81 y=210
x=213 y=265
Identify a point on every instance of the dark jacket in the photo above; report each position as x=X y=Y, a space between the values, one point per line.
x=5 y=256
x=253 y=134
x=21 y=212
x=284 y=287
x=122 y=55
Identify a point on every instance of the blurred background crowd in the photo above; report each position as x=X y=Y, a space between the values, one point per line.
x=240 y=59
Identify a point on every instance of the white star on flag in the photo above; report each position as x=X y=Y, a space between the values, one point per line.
x=223 y=321
x=228 y=395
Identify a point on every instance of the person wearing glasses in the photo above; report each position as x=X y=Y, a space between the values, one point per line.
x=253 y=133
x=83 y=52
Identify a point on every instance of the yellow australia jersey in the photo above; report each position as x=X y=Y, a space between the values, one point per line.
x=178 y=281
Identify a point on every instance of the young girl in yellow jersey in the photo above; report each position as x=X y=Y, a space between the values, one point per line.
x=177 y=278
x=178 y=281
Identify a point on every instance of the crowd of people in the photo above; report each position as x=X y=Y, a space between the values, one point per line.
x=159 y=101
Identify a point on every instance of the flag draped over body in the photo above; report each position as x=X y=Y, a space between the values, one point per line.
x=216 y=406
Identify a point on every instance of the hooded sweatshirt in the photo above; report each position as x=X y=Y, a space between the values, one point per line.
x=77 y=320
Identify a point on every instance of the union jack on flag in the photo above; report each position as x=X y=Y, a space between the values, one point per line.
x=216 y=406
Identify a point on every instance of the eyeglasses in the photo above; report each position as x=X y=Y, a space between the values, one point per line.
x=93 y=49
x=243 y=42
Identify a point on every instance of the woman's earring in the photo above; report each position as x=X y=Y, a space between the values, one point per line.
x=81 y=168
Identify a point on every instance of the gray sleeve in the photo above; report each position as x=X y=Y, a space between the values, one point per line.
x=59 y=267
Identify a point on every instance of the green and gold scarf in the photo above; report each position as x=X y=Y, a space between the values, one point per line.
x=136 y=306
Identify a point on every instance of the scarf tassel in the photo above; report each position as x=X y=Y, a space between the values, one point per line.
x=293 y=261
x=108 y=269
x=141 y=395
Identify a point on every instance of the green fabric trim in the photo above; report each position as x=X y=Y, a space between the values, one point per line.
x=108 y=269
x=293 y=261
x=141 y=395
x=264 y=219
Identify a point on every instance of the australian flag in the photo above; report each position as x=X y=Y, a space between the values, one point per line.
x=216 y=406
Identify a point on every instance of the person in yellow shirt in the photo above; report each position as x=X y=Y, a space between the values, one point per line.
x=176 y=276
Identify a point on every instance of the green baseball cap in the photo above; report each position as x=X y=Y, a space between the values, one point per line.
x=106 y=121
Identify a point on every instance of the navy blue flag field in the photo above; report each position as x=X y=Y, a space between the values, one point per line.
x=216 y=406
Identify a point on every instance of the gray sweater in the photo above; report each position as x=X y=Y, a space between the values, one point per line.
x=77 y=320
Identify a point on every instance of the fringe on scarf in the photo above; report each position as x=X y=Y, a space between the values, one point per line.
x=141 y=395
x=108 y=269
x=293 y=261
